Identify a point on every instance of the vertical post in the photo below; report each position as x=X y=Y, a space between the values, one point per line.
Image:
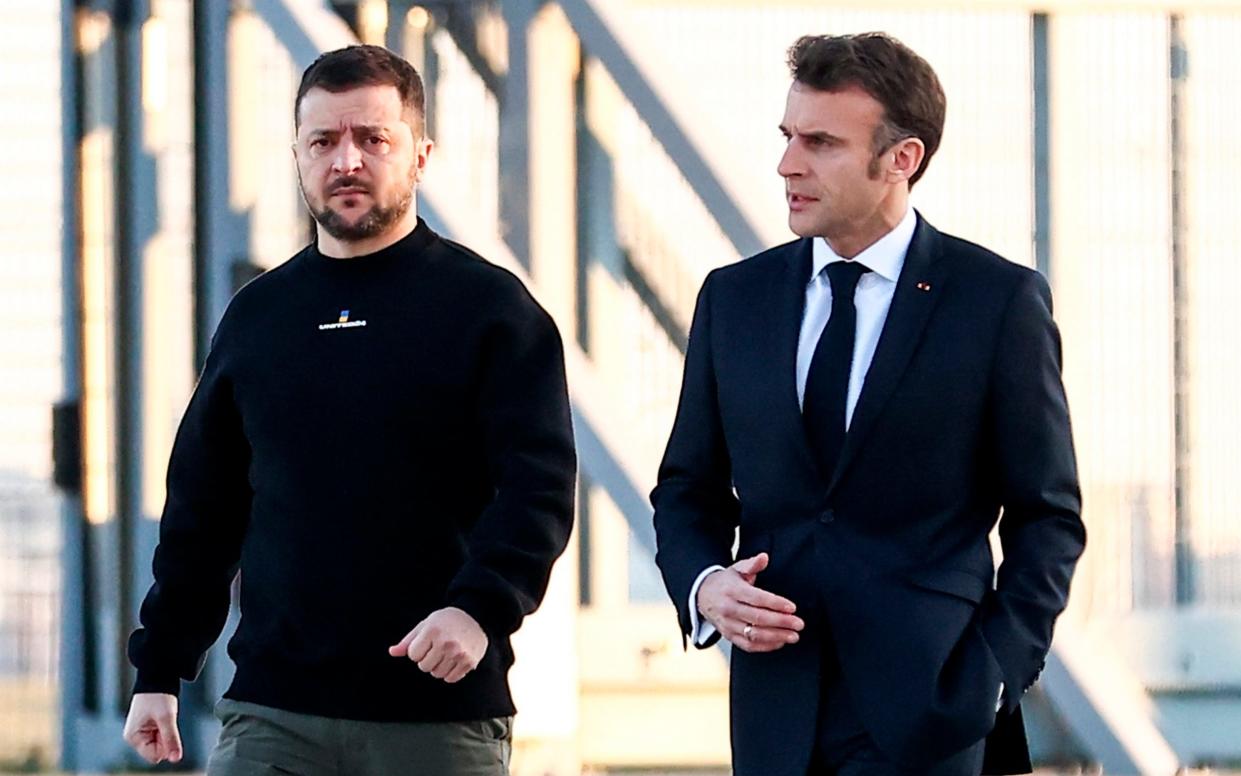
x=538 y=202
x=212 y=274
x=136 y=224
x=1178 y=73
x=94 y=36
x=551 y=208
x=74 y=624
x=98 y=169
x=430 y=74
x=1041 y=113
x=395 y=33
x=514 y=188
x=585 y=204
x=219 y=235
x=409 y=28
x=584 y=587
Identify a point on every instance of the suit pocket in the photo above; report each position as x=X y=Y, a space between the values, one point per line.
x=962 y=584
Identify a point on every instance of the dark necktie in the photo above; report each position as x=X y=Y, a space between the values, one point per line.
x=827 y=383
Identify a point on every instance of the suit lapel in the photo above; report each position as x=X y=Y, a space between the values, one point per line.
x=917 y=290
x=789 y=300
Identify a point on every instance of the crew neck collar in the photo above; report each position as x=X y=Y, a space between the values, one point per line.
x=411 y=244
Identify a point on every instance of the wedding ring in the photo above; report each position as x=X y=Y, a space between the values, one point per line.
x=747 y=631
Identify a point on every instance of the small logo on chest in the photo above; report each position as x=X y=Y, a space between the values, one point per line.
x=342 y=322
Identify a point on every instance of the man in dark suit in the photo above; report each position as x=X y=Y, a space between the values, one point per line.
x=862 y=403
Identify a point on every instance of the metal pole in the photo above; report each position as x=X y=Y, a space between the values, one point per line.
x=74 y=654
x=212 y=216
x=1041 y=77
x=220 y=234
x=1186 y=564
x=514 y=139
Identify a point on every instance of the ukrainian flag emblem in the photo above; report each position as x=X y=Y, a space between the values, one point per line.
x=342 y=322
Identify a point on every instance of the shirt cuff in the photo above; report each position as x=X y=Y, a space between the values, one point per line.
x=999 y=701
x=699 y=629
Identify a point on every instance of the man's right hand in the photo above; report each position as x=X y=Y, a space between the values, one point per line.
x=751 y=618
x=151 y=728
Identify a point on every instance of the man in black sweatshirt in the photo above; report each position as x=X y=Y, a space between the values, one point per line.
x=380 y=442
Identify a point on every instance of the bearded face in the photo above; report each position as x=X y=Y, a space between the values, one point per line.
x=351 y=211
x=359 y=157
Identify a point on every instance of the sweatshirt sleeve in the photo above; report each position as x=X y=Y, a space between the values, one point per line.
x=200 y=535
x=524 y=418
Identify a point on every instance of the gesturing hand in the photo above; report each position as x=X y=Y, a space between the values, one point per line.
x=151 y=727
x=751 y=618
x=448 y=644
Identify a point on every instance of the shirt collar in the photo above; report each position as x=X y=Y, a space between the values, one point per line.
x=885 y=257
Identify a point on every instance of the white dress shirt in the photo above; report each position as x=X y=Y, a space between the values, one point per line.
x=873 y=298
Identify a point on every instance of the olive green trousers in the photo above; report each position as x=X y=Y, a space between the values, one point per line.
x=259 y=741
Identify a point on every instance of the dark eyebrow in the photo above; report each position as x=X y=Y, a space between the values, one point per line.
x=824 y=137
x=366 y=129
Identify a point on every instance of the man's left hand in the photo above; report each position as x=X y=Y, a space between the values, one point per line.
x=448 y=644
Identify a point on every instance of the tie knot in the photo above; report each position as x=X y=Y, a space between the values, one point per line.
x=844 y=277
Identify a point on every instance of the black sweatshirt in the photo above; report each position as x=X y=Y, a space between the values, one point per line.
x=371 y=439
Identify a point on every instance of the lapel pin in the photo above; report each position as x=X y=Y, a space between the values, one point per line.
x=923 y=286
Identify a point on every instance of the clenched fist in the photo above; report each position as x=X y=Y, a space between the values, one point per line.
x=151 y=727
x=448 y=644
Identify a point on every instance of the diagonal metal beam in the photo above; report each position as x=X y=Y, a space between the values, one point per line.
x=604 y=38
x=306 y=28
x=1106 y=708
x=605 y=456
x=461 y=24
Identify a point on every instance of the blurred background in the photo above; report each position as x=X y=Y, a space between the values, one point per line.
x=612 y=152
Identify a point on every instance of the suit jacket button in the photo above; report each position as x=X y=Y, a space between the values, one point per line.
x=827 y=516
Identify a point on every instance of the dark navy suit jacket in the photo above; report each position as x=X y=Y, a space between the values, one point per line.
x=962 y=418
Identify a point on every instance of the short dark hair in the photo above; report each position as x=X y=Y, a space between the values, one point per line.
x=886 y=69
x=355 y=66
